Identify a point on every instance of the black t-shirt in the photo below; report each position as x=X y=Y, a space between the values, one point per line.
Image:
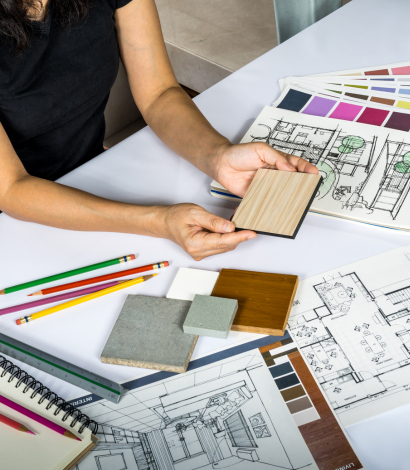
x=53 y=96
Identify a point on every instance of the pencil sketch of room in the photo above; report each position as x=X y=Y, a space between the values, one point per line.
x=356 y=341
x=341 y=158
x=217 y=423
x=392 y=170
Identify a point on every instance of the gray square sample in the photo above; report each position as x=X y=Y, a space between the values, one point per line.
x=148 y=333
x=210 y=316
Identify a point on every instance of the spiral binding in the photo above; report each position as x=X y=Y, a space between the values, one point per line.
x=46 y=394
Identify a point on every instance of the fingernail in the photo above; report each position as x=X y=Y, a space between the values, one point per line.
x=227 y=227
x=253 y=235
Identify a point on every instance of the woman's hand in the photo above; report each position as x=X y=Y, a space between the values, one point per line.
x=235 y=165
x=197 y=231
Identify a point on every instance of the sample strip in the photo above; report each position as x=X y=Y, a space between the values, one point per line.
x=305 y=102
x=317 y=423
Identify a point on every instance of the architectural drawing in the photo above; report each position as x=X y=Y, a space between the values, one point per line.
x=353 y=329
x=228 y=414
x=365 y=169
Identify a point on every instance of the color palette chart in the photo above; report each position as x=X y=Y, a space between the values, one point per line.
x=311 y=103
x=310 y=410
x=381 y=95
x=288 y=382
x=401 y=68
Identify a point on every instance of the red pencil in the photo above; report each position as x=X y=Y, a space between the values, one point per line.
x=106 y=277
x=14 y=424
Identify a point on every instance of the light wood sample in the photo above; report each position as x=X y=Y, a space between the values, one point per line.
x=264 y=299
x=277 y=202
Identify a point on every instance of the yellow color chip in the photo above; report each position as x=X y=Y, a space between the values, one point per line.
x=403 y=104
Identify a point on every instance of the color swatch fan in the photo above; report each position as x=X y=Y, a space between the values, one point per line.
x=276 y=202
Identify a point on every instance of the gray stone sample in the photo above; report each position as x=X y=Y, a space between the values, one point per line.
x=148 y=333
x=210 y=316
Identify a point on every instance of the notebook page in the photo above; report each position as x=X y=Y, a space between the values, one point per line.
x=47 y=450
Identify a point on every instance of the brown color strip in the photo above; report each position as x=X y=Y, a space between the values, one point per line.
x=268 y=347
x=292 y=393
x=270 y=361
x=357 y=96
x=324 y=437
x=299 y=405
x=377 y=72
x=382 y=100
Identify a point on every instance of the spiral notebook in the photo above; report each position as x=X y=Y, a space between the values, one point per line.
x=47 y=450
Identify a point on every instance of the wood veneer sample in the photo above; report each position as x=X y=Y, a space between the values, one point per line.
x=264 y=299
x=277 y=202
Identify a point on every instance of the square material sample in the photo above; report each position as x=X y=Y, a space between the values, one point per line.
x=277 y=202
x=210 y=316
x=189 y=282
x=264 y=299
x=148 y=333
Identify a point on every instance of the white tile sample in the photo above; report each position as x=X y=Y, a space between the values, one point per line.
x=188 y=282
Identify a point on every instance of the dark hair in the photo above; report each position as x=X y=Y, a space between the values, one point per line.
x=16 y=26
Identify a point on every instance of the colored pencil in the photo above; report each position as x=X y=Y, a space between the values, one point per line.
x=106 y=277
x=57 y=298
x=14 y=424
x=83 y=299
x=35 y=417
x=73 y=272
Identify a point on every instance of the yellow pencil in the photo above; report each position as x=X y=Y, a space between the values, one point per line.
x=83 y=299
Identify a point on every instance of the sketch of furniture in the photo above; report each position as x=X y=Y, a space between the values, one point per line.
x=373 y=350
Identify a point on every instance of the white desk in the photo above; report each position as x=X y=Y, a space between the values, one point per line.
x=142 y=170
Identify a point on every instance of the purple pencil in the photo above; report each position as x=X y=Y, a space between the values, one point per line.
x=56 y=298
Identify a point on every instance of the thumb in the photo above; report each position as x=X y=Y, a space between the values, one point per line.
x=214 y=223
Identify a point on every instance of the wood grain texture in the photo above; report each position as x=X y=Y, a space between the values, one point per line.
x=264 y=299
x=276 y=202
x=324 y=437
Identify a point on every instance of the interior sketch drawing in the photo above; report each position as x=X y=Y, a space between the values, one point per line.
x=227 y=414
x=393 y=165
x=365 y=169
x=356 y=335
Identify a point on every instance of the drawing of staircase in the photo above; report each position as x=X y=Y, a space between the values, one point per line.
x=399 y=296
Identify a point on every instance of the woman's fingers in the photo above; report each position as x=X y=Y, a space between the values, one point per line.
x=203 y=244
x=287 y=162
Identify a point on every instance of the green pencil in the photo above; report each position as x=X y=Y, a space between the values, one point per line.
x=74 y=272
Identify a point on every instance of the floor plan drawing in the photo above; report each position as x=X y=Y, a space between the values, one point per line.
x=352 y=326
x=365 y=169
x=226 y=414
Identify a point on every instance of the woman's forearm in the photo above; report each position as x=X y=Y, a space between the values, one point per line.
x=177 y=121
x=36 y=200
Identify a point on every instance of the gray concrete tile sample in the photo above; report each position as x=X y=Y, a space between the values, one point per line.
x=210 y=316
x=148 y=333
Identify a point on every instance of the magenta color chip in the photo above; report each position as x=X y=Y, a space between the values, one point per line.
x=373 y=116
x=319 y=106
x=401 y=70
x=346 y=111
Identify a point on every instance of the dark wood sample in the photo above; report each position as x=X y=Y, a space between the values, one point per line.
x=264 y=299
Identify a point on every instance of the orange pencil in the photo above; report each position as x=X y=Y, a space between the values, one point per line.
x=106 y=277
x=14 y=424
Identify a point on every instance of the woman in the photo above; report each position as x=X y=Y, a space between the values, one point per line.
x=58 y=62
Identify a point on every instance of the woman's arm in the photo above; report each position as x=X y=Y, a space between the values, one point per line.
x=174 y=117
x=31 y=199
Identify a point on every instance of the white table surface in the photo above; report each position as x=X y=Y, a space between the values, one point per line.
x=143 y=170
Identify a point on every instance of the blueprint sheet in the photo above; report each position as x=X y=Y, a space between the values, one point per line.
x=225 y=414
x=365 y=169
x=352 y=326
